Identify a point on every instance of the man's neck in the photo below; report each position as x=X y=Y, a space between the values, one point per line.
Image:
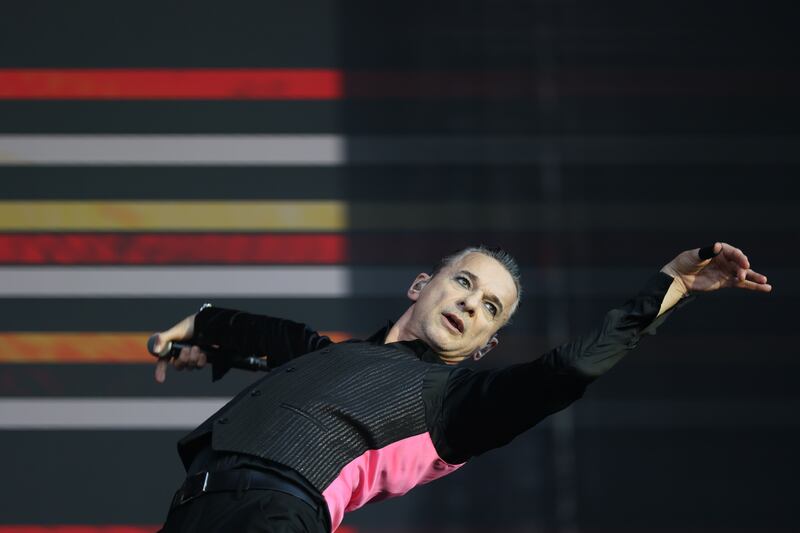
x=399 y=331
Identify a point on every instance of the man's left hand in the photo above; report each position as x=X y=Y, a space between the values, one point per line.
x=729 y=267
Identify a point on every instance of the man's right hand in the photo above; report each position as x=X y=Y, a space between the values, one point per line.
x=188 y=358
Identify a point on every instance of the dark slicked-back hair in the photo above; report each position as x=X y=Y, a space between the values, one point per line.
x=496 y=253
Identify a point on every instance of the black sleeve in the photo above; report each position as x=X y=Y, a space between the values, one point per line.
x=482 y=410
x=246 y=334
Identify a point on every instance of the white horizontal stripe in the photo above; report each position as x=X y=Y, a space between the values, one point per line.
x=171 y=149
x=267 y=281
x=305 y=281
x=338 y=150
x=119 y=413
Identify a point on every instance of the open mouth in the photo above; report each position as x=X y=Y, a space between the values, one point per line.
x=454 y=322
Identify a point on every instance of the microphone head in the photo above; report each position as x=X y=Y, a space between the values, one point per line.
x=707 y=252
x=151 y=346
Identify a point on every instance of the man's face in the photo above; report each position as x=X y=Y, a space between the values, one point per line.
x=459 y=310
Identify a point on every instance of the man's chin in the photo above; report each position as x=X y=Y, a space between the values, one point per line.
x=442 y=344
x=449 y=347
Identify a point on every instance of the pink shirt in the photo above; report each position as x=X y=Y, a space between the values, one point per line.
x=385 y=473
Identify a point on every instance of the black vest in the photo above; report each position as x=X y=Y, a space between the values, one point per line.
x=318 y=412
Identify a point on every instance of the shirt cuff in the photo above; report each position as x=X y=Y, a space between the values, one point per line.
x=209 y=326
x=653 y=294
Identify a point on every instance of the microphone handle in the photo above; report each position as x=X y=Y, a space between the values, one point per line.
x=233 y=360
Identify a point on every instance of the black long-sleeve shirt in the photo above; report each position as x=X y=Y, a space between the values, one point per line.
x=481 y=409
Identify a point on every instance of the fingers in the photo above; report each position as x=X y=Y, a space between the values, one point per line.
x=160 y=344
x=731 y=268
x=733 y=261
x=190 y=358
x=181 y=331
x=161 y=369
x=755 y=281
x=753 y=286
x=735 y=256
x=756 y=277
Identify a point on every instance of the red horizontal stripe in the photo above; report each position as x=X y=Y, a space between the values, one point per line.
x=101 y=529
x=78 y=529
x=170 y=84
x=170 y=249
x=333 y=84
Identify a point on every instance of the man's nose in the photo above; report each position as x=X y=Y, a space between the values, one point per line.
x=469 y=304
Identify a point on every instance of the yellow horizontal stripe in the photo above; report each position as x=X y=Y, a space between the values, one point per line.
x=301 y=215
x=99 y=348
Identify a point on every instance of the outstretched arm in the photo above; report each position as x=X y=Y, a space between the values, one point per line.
x=486 y=409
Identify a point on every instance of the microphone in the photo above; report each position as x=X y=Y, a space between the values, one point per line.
x=707 y=252
x=173 y=349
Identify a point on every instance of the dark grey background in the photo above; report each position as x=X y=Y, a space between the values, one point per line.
x=659 y=126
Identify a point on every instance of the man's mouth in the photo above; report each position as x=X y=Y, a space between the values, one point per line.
x=454 y=322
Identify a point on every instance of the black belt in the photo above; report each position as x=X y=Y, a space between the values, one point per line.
x=231 y=480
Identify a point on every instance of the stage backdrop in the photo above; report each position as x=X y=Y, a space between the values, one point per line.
x=308 y=159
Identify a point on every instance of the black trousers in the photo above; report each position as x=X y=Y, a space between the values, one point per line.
x=246 y=511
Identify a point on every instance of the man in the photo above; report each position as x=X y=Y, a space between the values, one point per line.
x=360 y=421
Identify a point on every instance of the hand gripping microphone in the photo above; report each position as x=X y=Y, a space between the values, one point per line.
x=173 y=349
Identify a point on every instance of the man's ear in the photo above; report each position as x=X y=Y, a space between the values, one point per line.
x=420 y=281
x=480 y=352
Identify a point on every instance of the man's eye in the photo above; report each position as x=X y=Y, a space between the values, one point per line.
x=492 y=309
x=464 y=282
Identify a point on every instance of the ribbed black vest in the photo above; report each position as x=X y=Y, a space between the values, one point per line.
x=320 y=411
